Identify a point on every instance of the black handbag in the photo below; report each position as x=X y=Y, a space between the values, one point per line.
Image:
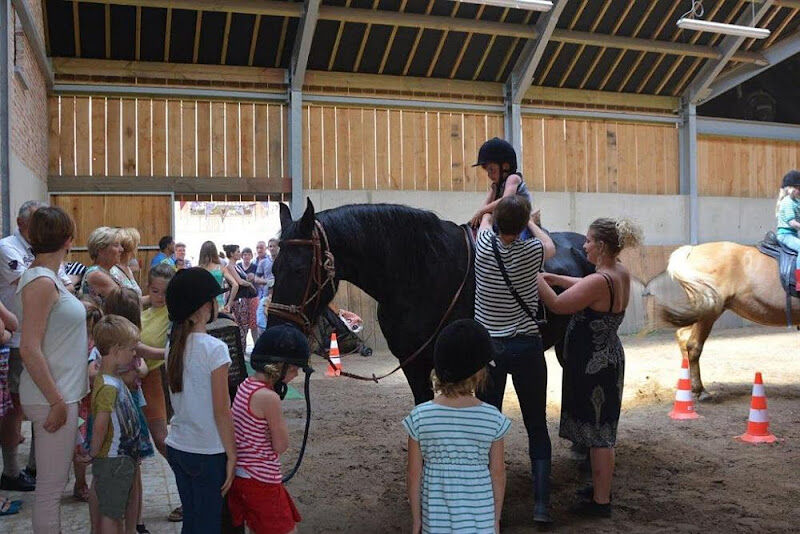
x=539 y=322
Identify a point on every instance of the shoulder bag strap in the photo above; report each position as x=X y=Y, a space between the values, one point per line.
x=513 y=291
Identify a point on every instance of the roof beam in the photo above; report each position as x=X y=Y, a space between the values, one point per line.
x=521 y=76
x=775 y=54
x=37 y=44
x=698 y=89
x=302 y=44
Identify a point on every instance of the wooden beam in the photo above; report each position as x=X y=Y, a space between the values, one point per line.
x=601 y=98
x=167 y=71
x=38 y=46
x=281 y=42
x=138 y=49
x=362 y=46
x=442 y=39
x=557 y=51
x=46 y=32
x=511 y=48
x=167 y=34
x=76 y=28
x=107 y=23
x=488 y=48
x=253 y=40
x=225 y=36
x=460 y=57
x=167 y=184
x=597 y=20
x=302 y=43
x=602 y=51
x=641 y=55
x=390 y=42
x=338 y=39
x=416 y=40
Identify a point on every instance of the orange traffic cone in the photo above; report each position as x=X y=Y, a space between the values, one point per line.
x=684 y=402
x=335 y=366
x=758 y=422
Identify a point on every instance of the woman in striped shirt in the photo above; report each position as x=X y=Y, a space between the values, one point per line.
x=258 y=497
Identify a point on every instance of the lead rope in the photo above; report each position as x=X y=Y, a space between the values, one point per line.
x=306 y=391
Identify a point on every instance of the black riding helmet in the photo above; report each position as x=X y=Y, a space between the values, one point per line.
x=791 y=179
x=499 y=151
x=188 y=290
x=280 y=344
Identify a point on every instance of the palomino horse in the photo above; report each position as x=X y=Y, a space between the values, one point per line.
x=408 y=260
x=722 y=276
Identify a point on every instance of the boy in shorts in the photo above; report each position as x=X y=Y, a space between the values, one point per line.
x=116 y=428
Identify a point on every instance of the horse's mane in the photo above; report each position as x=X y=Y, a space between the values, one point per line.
x=406 y=238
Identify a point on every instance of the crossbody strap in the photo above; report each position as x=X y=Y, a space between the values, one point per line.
x=513 y=291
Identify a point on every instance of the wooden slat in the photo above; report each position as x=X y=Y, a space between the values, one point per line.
x=315 y=146
x=246 y=135
x=159 y=138
x=645 y=176
x=262 y=140
x=382 y=149
x=53 y=135
x=343 y=149
x=575 y=152
x=395 y=151
x=82 y=133
x=203 y=117
x=67 y=139
x=232 y=139
x=182 y=185
x=626 y=137
x=356 y=144
x=306 y=150
x=418 y=150
x=611 y=182
x=368 y=123
x=98 y=136
x=445 y=148
x=457 y=151
x=433 y=176
x=175 y=155
x=144 y=137
x=672 y=165
x=217 y=139
x=470 y=149
x=328 y=147
x=188 y=145
x=533 y=164
x=285 y=145
x=555 y=164
x=114 y=136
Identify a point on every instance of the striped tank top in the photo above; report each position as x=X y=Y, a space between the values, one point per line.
x=255 y=457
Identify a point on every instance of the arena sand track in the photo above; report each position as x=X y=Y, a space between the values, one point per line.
x=671 y=476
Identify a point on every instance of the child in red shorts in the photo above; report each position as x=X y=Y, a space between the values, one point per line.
x=258 y=497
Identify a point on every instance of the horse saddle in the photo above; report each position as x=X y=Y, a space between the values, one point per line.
x=787 y=259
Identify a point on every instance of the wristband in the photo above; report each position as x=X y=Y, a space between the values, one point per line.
x=60 y=400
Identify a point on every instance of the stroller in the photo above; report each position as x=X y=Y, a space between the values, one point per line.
x=349 y=341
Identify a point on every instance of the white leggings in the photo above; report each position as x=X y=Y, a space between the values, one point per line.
x=53 y=459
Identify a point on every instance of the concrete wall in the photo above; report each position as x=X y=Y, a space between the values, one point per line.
x=664 y=220
x=27 y=116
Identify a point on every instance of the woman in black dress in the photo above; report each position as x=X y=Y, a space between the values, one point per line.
x=594 y=360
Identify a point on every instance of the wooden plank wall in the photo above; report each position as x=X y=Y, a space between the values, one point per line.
x=372 y=148
x=600 y=157
x=105 y=136
x=743 y=167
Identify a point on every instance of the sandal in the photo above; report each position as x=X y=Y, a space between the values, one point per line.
x=9 y=507
x=176 y=516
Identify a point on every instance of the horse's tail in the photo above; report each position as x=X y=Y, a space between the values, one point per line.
x=704 y=299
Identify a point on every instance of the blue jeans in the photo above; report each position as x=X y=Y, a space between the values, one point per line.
x=793 y=242
x=199 y=478
x=523 y=358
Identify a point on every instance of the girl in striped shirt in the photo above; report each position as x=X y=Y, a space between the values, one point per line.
x=456 y=473
x=258 y=496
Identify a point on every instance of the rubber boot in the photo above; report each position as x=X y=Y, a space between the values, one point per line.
x=541 y=491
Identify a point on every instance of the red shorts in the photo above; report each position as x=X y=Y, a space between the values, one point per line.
x=265 y=508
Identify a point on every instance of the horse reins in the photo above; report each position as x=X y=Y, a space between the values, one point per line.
x=296 y=313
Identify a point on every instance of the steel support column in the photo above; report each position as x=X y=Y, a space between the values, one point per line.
x=512 y=126
x=5 y=164
x=687 y=137
x=296 y=151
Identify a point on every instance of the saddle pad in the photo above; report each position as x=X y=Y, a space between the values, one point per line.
x=787 y=259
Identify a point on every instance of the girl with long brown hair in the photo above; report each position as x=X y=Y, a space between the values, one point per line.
x=210 y=261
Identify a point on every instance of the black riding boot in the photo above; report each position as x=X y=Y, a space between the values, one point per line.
x=541 y=491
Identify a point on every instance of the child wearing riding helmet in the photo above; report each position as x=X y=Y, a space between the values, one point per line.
x=499 y=159
x=258 y=497
x=788 y=214
x=456 y=471
x=201 y=448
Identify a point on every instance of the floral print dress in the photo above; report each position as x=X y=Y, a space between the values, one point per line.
x=594 y=370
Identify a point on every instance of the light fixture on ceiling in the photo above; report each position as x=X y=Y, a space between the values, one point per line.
x=691 y=21
x=530 y=5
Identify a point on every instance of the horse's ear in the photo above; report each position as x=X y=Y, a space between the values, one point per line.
x=286 y=216
x=307 y=220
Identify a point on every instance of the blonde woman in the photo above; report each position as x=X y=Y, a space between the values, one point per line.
x=105 y=249
x=129 y=238
x=210 y=261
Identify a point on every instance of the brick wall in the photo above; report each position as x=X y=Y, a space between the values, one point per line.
x=27 y=110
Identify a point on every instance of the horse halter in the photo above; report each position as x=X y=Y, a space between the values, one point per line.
x=322 y=273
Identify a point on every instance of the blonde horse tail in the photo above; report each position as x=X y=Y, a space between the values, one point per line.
x=704 y=299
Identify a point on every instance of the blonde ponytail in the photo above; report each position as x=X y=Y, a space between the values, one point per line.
x=783 y=192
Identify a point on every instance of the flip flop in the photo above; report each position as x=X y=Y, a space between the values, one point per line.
x=9 y=507
x=176 y=515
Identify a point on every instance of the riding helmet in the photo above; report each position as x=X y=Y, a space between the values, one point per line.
x=280 y=344
x=497 y=150
x=462 y=349
x=791 y=179
x=188 y=290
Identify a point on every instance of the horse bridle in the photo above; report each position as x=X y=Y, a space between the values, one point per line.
x=322 y=266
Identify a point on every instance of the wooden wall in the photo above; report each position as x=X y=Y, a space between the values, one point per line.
x=743 y=167
x=599 y=156
x=100 y=136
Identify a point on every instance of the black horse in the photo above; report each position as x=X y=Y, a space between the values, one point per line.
x=410 y=261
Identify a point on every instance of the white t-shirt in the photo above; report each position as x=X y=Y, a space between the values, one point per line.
x=193 y=428
x=15 y=256
x=64 y=344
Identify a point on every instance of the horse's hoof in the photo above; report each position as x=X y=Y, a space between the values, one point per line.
x=704 y=396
